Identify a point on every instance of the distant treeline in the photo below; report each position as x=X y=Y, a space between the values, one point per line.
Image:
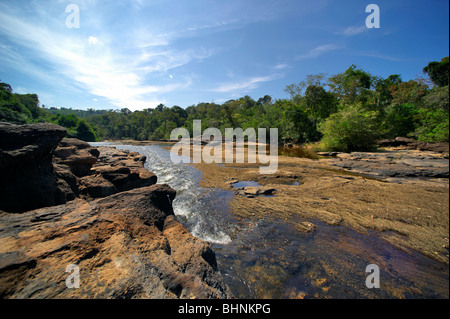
x=346 y=112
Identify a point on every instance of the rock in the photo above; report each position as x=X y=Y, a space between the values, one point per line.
x=251 y=190
x=306 y=227
x=96 y=186
x=78 y=155
x=434 y=147
x=232 y=181
x=125 y=170
x=92 y=173
x=268 y=191
x=28 y=179
x=408 y=143
x=332 y=154
x=405 y=140
x=127 y=245
x=255 y=191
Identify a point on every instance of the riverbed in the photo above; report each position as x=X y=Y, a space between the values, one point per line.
x=268 y=257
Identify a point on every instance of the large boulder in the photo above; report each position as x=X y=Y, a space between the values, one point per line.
x=127 y=245
x=27 y=178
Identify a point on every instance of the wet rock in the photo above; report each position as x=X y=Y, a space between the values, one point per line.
x=127 y=245
x=255 y=191
x=28 y=179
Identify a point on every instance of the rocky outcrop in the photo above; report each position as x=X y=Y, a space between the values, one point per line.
x=65 y=205
x=27 y=178
x=127 y=245
x=411 y=144
x=88 y=172
x=394 y=163
x=41 y=168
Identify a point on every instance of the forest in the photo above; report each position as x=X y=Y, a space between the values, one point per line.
x=348 y=111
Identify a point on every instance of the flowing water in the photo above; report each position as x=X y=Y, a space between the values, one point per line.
x=270 y=258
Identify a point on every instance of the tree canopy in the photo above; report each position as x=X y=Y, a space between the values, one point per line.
x=345 y=111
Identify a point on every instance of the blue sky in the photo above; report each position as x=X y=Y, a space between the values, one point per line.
x=139 y=53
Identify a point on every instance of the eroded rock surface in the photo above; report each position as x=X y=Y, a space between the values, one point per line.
x=66 y=204
x=27 y=178
x=127 y=245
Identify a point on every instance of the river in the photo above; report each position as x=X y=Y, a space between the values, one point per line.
x=270 y=258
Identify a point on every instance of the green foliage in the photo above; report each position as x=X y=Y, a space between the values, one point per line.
x=351 y=129
x=25 y=108
x=400 y=120
x=438 y=72
x=347 y=112
x=437 y=98
x=433 y=125
x=352 y=86
x=84 y=132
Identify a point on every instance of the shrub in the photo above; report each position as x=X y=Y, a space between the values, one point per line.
x=351 y=129
x=433 y=125
x=400 y=120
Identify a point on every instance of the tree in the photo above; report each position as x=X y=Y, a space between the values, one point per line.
x=296 y=91
x=84 y=132
x=319 y=103
x=400 y=120
x=383 y=90
x=408 y=92
x=433 y=125
x=438 y=72
x=351 y=129
x=352 y=86
x=437 y=98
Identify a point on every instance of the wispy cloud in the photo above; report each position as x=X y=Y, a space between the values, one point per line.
x=317 y=51
x=247 y=84
x=281 y=66
x=377 y=55
x=92 y=40
x=354 y=30
x=121 y=76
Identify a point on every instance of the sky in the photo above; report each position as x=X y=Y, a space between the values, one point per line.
x=109 y=54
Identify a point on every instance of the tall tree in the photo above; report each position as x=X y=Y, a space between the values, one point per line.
x=352 y=86
x=438 y=72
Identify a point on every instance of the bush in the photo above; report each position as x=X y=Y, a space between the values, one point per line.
x=84 y=132
x=433 y=125
x=400 y=120
x=351 y=129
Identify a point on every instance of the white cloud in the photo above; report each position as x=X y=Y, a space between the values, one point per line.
x=121 y=76
x=317 y=51
x=248 y=84
x=281 y=66
x=92 y=40
x=354 y=30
